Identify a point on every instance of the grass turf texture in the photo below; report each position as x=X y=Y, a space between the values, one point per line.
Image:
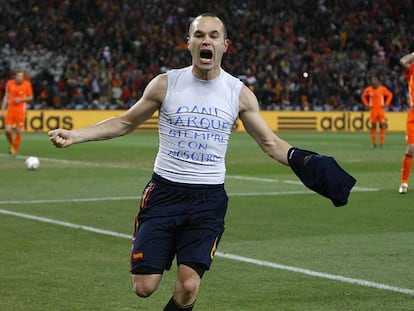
x=45 y=266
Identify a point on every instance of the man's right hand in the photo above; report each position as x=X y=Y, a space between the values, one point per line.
x=60 y=138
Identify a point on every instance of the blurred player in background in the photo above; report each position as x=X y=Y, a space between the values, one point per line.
x=183 y=206
x=376 y=97
x=407 y=63
x=17 y=94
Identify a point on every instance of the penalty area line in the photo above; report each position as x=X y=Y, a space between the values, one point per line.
x=322 y=275
x=287 y=181
x=128 y=198
x=238 y=258
x=234 y=177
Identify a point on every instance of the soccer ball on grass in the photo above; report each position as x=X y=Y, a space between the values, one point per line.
x=32 y=163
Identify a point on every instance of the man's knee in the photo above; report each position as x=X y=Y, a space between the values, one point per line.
x=142 y=290
x=144 y=285
x=189 y=287
x=188 y=283
x=410 y=149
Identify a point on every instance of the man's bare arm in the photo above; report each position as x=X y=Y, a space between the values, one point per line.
x=121 y=125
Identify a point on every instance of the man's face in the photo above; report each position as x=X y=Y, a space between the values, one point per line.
x=375 y=81
x=206 y=42
x=19 y=77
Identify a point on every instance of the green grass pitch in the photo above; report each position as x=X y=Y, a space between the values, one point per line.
x=65 y=229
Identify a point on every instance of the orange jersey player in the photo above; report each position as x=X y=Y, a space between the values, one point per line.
x=376 y=97
x=18 y=93
x=407 y=63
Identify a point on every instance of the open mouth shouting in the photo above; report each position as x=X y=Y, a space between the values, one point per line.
x=206 y=56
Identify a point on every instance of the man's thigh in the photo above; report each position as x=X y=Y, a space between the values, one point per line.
x=14 y=120
x=410 y=128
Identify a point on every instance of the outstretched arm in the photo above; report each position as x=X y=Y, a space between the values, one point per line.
x=121 y=125
x=319 y=173
x=256 y=126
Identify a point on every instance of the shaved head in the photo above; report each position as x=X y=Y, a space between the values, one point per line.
x=211 y=15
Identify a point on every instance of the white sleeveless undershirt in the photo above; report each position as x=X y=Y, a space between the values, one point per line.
x=195 y=123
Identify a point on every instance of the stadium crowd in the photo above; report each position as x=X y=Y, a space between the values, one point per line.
x=295 y=55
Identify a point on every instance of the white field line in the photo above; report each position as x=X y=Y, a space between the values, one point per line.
x=78 y=163
x=114 y=165
x=135 y=198
x=258 y=179
x=17 y=202
x=248 y=260
x=294 y=182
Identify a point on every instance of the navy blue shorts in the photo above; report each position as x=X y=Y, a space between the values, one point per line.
x=176 y=219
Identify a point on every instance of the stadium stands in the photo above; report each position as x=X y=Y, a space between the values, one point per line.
x=96 y=54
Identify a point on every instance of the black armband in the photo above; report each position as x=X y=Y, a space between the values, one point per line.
x=321 y=174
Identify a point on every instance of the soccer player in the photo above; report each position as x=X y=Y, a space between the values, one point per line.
x=407 y=63
x=18 y=93
x=183 y=206
x=376 y=97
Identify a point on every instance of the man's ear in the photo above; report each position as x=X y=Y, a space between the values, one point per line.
x=226 y=45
